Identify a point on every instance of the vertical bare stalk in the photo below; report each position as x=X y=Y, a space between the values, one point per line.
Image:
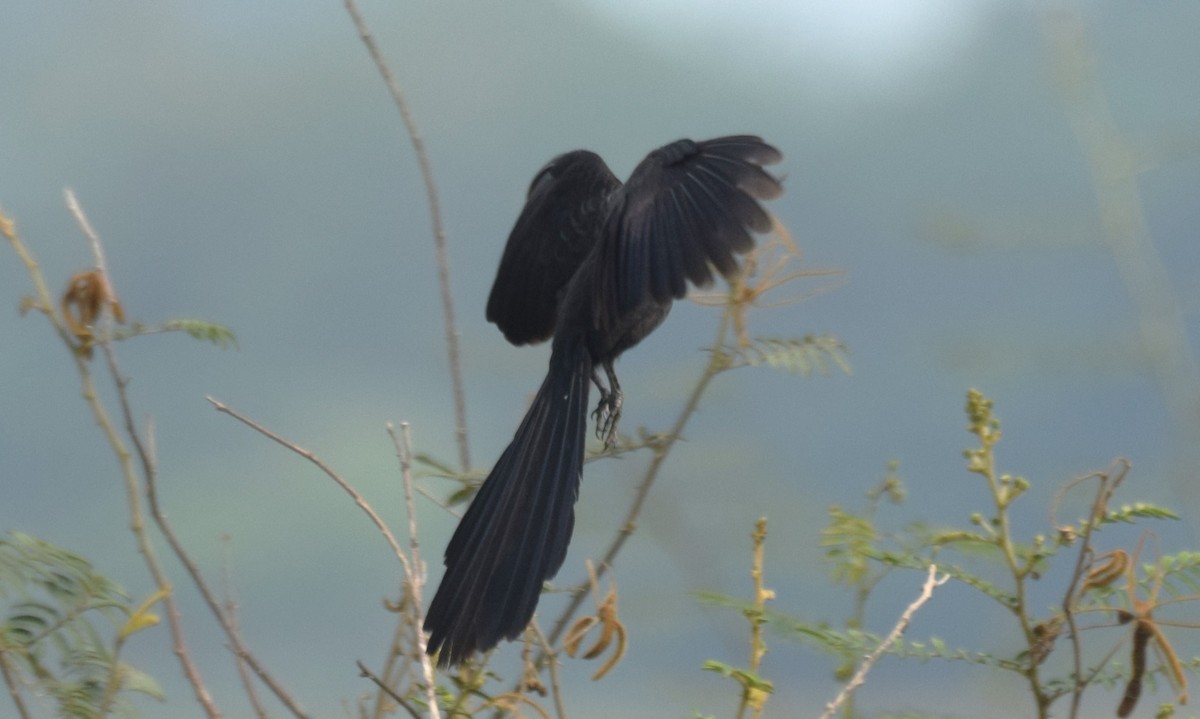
x=1115 y=166
x=754 y=698
x=439 y=232
x=416 y=573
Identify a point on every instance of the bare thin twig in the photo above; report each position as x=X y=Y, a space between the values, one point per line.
x=311 y=457
x=92 y=236
x=931 y=582
x=150 y=472
x=230 y=606
x=388 y=690
x=413 y=579
x=552 y=665
x=439 y=232
x=393 y=668
x=404 y=453
x=124 y=458
x=416 y=573
x=241 y=651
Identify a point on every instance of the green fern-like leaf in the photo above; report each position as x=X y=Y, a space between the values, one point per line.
x=801 y=356
x=855 y=642
x=745 y=677
x=1126 y=514
x=909 y=560
x=435 y=467
x=1140 y=510
x=136 y=680
x=218 y=335
x=1180 y=573
x=50 y=600
x=202 y=330
x=846 y=539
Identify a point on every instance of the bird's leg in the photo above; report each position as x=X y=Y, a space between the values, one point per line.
x=608 y=409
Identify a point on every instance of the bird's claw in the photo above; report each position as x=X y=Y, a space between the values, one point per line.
x=607 y=414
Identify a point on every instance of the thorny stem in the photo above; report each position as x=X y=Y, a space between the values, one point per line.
x=753 y=697
x=439 y=232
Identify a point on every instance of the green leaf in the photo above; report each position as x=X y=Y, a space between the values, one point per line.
x=219 y=335
x=745 y=677
x=141 y=617
x=801 y=356
x=439 y=467
x=135 y=680
x=1139 y=510
x=59 y=622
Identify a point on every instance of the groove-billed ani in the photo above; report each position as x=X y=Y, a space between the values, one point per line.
x=597 y=265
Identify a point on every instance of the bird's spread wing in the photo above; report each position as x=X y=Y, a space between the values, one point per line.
x=686 y=207
x=561 y=221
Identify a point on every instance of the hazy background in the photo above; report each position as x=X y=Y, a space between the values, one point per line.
x=244 y=164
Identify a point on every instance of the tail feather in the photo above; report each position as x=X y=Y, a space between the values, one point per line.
x=515 y=534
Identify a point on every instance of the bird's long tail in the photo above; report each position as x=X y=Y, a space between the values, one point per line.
x=515 y=534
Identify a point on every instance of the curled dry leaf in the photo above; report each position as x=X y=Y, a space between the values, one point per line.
x=85 y=298
x=611 y=630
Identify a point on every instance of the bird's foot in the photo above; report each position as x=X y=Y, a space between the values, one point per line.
x=607 y=414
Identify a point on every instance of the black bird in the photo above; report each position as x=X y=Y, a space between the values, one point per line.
x=597 y=265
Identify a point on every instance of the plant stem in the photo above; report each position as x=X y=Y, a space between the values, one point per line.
x=13 y=690
x=932 y=582
x=1002 y=495
x=439 y=231
x=137 y=523
x=753 y=696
